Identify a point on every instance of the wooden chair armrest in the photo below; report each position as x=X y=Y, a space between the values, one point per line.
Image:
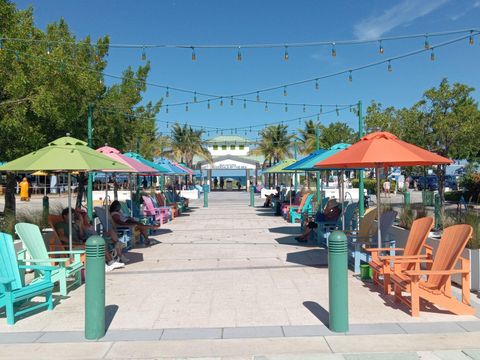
x=402 y=257
x=410 y=261
x=435 y=272
x=382 y=249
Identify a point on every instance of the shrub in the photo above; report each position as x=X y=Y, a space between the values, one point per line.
x=406 y=217
x=471 y=218
x=371 y=185
x=471 y=183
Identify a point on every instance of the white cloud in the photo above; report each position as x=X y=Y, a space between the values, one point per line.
x=406 y=11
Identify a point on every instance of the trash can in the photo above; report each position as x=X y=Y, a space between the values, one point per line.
x=365 y=272
x=427 y=198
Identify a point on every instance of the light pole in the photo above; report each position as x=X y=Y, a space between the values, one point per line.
x=90 y=175
x=361 y=185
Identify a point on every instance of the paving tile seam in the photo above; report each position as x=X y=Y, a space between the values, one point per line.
x=225 y=333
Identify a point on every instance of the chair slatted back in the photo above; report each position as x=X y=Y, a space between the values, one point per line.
x=8 y=261
x=149 y=207
x=349 y=211
x=33 y=241
x=306 y=204
x=102 y=216
x=416 y=238
x=452 y=243
x=304 y=199
x=366 y=224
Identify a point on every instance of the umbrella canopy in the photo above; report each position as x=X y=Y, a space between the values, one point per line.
x=40 y=173
x=280 y=167
x=381 y=149
x=64 y=154
x=377 y=150
x=298 y=163
x=186 y=168
x=170 y=165
x=134 y=165
x=158 y=168
x=308 y=163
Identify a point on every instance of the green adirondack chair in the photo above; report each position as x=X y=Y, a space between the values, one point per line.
x=33 y=242
x=12 y=290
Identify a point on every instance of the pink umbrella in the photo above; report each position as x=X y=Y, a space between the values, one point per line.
x=136 y=166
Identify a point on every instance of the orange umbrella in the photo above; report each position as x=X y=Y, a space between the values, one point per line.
x=381 y=149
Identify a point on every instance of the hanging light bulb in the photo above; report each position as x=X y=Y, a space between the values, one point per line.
x=208 y=104
x=167 y=124
x=239 y=54
x=221 y=101
x=194 y=56
x=321 y=109
x=258 y=96
x=186 y=107
x=318 y=117
x=266 y=106
x=317 y=86
x=470 y=39
x=167 y=93
x=285 y=56
x=195 y=97
x=426 y=44
x=286 y=107
x=144 y=54
x=285 y=91
x=231 y=100
x=381 y=50
x=350 y=78
x=432 y=56
x=304 y=108
x=244 y=103
x=49 y=49
x=166 y=109
x=334 y=51
x=389 y=67
x=336 y=110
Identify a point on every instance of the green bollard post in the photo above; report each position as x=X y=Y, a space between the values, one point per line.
x=205 y=195
x=337 y=281
x=252 y=196
x=406 y=198
x=437 y=211
x=95 y=288
x=46 y=208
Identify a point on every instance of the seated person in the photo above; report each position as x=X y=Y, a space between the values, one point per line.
x=80 y=234
x=119 y=219
x=269 y=198
x=330 y=213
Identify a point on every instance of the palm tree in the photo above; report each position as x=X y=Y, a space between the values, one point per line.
x=186 y=143
x=308 y=137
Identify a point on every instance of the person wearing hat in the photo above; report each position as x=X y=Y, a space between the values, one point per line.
x=331 y=212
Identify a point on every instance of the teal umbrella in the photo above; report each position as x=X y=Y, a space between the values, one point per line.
x=140 y=158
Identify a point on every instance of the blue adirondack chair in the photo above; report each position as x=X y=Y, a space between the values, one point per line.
x=326 y=226
x=307 y=207
x=71 y=266
x=12 y=290
x=319 y=209
x=124 y=233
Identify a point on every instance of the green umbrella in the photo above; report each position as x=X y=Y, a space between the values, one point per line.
x=280 y=167
x=65 y=154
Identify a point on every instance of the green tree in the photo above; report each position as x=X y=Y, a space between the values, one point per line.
x=186 y=143
x=308 y=136
x=334 y=133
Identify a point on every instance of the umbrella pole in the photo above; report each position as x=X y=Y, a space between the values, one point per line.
x=131 y=193
x=379 y=235
x=342 y=197
x=106 y=202
x=45 y=189
x=69 y=180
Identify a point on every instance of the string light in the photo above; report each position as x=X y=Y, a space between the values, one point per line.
x=432 y=55
x=258 y=96
x=186 y=107
x=304 y=108
x=244 y=104
x=194 y=56
x=286 y=107
x=208 y=104
x=239 y=54
x=231 y=100
x=166 y=109
x=470 y=39
x=49 y=49
x=221 y=101
x=389 y=67
x=381 y=50
x=144 y=54
x=334 y=51
x=195 y=97
x=426 y=44
x=167 y=93
x=337 y=111
x=285 y=91
x=266 y=106
x=317 y=86
x=285 y=56
x=350 y=78
x=321 y=109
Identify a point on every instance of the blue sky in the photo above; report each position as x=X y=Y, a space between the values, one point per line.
x=250 y=21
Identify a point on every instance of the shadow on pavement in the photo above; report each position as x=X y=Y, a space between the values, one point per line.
x=285 y=230
x=110 y=311
x=134 y=257
x=317 y=258
x=317 y=310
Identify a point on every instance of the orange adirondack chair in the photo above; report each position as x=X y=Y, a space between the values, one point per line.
x=434 y=285
x=381 y=265
x=55 y=244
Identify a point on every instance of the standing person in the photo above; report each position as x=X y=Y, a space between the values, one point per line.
x=215 y=183
x=221 y=183
x=386 y=187
x=24 y=187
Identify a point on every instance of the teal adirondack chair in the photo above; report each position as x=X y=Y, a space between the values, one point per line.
x=12 y=290
x=297 y=213
x=32 y=240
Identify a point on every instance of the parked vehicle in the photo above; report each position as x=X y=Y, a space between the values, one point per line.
x=429 y=182
x=451 y=182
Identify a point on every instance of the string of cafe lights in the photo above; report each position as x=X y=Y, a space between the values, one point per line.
x=285 y=46
x=211 y=98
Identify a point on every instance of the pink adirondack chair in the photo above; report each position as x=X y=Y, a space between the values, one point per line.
x=158 y=215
